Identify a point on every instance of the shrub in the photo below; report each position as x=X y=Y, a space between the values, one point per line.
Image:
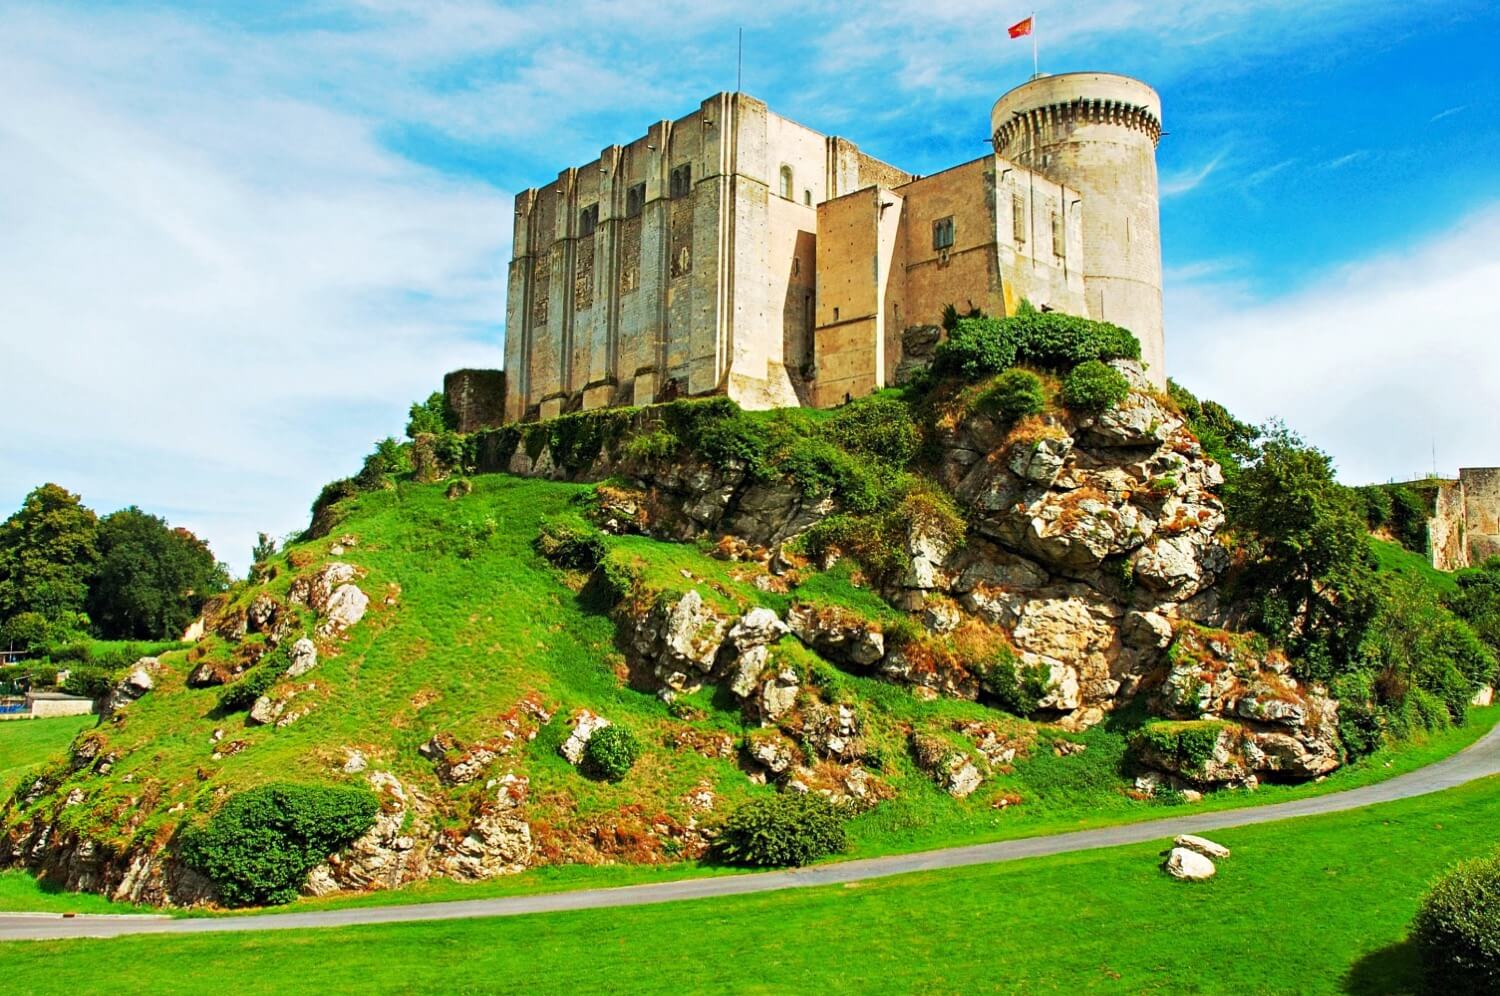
x=1457 y=929
x=1190 y=744
x=782 y=830
x=571 y=546
x=324 y=513
x=1014 y=395
x=975 y=348
x=820 y=468
x=612 y=752
x=90 y=682
x=1057 y=341
x=389 y=458
x=260 y=845
x=879 y=426
x=1094 y=387
x=254 y=683
x=652 y=447
x=1016 y=687
x=432 y=416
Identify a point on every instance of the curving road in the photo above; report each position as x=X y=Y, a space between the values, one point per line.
x=1477 y=761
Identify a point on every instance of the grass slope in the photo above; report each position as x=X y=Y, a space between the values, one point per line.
x=28 y=743
x=466 y=619
x=1313 y=905
x=1397 y=559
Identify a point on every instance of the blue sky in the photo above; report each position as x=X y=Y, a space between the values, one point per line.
x=240 y=238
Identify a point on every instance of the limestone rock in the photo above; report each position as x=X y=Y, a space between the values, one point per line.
x=304 y=657
x=387 y=856
x=1202 y=845
x=952 y=769
x=778 y=695
x=1042 y=460
x=837 y=634
x=345 y=607
x=265 y=711
x=585 y=724
x=1189 y=866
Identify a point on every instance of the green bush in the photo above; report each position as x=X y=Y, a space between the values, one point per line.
x=612 y=752
x=1094 y=387
x=255 y=682
x=1190 y=744
x=1057 y=341
x=260 y=845
x=90 y=682
x=1015 y=687
x=432 y=416
x=389 y=458
x=976 y=347
x=879 y=426
x=819 y=468
x=781 y=830
x=1457 y=929
x=569 y=545
x=1014 y=395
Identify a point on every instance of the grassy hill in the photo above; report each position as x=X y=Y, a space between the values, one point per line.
x=467 y=620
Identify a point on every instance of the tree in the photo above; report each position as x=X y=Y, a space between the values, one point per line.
x=152 y=579
x=431 y=416
x=1311 y=569
x=48 y=550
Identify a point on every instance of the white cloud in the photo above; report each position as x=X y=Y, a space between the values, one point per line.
x=1373 y=362
x=213 y=306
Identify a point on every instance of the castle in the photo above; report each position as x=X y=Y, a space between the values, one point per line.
x=736 y=252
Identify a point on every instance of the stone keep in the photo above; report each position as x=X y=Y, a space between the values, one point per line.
x=736 y=252
x=1097 y=133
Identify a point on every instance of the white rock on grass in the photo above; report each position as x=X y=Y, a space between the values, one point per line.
x=304 y=658
x=1190 y=866
x=1202 y=845
x=585 y=725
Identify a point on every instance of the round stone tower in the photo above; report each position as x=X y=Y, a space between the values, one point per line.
x=1096 y=133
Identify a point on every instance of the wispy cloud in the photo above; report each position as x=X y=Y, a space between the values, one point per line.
x=1349 y=158
x=1440 y=115
x=1341 y=360
x=1185 y=181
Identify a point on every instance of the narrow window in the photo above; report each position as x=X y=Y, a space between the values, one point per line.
x=835 y=314
x=1059 y=243
x=635 y=200
x=1018 y=219
x=796 y=266
x=807 y=197
x=942 y=233
x=682 y=180
x=588 y=220
x=786 y=182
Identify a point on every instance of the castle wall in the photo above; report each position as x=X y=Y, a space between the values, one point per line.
x=852 y=292
x=1481 y=486
x=695 y=291
x=1445 y=530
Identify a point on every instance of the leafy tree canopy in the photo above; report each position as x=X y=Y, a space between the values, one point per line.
x=152 y=579
x=48 y=550
x=431 y=416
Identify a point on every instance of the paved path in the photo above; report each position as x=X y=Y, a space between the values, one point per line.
x=1479 y=760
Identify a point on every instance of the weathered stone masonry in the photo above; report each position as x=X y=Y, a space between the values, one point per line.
x=734 y=251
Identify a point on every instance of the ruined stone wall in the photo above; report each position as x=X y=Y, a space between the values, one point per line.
x=476 y=397
x=1445 y=530
x=1481 y=486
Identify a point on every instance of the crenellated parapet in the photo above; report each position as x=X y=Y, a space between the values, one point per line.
x=1080 y=111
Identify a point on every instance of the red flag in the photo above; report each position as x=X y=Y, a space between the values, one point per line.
x=1021 y=28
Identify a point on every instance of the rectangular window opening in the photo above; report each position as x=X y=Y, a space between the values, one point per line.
x=942 y=233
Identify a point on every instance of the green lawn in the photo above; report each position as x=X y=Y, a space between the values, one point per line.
x=27 y=743
x=1315 y=905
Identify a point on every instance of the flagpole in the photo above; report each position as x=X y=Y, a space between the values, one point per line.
x=1035 y=71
